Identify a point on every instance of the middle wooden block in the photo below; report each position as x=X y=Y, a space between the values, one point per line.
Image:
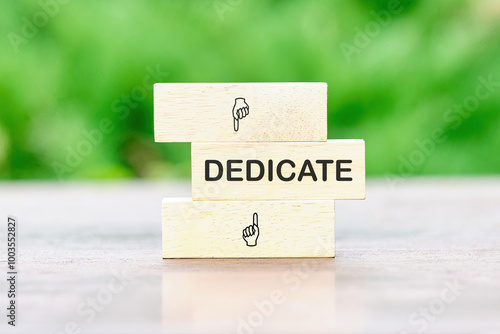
x=271 y=171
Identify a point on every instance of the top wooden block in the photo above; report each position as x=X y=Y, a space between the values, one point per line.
x=240 y=112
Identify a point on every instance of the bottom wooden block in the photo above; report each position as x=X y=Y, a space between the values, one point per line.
x=237 y=229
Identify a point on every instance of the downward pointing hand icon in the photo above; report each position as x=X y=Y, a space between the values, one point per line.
x=251 y=233
x=240 y=111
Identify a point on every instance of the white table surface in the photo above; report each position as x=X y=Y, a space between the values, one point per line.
x=398 y=253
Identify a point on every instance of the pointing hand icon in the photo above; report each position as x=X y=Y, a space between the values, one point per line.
x=251 y=233
x=240 y=111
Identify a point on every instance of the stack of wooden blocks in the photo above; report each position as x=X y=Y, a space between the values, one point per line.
x=264 y=175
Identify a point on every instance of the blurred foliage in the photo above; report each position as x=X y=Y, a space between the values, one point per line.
x=76 y=76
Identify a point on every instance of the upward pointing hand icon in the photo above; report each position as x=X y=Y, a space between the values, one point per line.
x=251 y=233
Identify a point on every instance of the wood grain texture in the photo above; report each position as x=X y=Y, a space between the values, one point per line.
x=203 y=112
x=394 y=255
x=214 y=229
x=277 y=189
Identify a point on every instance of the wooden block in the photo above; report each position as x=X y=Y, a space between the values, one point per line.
x=236 y=112
x=233 y=229
x=241 y=171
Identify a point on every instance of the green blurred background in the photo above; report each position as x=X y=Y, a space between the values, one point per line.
x=76 y=79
